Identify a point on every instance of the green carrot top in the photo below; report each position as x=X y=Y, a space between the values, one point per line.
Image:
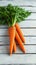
x=12 y=14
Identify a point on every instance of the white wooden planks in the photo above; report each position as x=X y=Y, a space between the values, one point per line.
x=28 y=28
x=18 y=59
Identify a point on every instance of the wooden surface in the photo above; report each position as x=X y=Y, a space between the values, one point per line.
x=29 y=31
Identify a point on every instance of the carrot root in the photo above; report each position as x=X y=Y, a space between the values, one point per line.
x=20 y=32
x=20 y=42
x=14 y=47
x=11 y=31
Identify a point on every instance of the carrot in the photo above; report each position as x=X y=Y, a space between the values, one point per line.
x=20 y=42
x=14 y=47
x=11 y=31
x=20 y=32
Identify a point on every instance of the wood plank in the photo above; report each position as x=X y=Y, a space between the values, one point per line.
x=28 y=40
x=4 y=3
x=18 y=59
x=26 y=23
x=5 y=39
x=3 y=31
x=29 y=49
x=24 y=31
x=18 y=2
x=28 y=32
x=29 y=23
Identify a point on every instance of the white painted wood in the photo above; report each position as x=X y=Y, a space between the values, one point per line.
x=29 y=49
x=29 y=23
x=19 y=2
x=18 y=59
x=28 y=40
x=27 y=32
x=24 y=31
x=4 y=3
x=5 y=32
x=5 y=39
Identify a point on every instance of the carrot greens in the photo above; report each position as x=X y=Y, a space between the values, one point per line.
x=12 y=14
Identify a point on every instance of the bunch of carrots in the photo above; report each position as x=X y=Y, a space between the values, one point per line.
x=12 y=15
x=16 y=33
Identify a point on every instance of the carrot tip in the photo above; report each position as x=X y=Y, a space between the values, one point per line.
x=24 y=51
x=10 y=54
x=24 y=41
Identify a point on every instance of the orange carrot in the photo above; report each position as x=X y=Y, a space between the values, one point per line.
x=11 y=31
x=20 y=42
x=14 y=47
x=20 y=32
